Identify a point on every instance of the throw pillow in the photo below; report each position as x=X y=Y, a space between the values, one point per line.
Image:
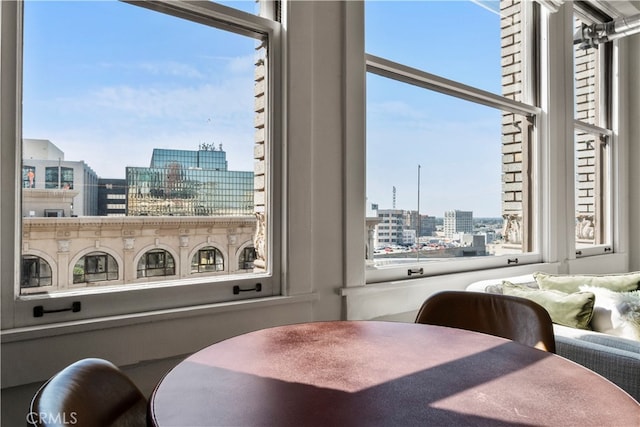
x=574 y=310
x=570 y=283
x=497 y=289
x=616 y=313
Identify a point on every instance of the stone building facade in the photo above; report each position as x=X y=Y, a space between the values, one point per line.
x=119 y=248
x=516 y=130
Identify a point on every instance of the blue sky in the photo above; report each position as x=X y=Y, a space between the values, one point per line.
x=456 y=143
x=107 y=82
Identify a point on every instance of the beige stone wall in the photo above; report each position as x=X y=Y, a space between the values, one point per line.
x=260 y=164
x=514 y=129
x=63 y=241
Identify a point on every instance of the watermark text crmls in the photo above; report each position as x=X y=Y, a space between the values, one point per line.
x=58 y=418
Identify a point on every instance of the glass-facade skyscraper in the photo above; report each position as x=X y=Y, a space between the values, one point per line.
x=188 y=183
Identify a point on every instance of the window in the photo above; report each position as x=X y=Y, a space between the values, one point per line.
x=247 y=256
x=593 y=139
x=156 y=262
x=207 y=260
x=134 y=127
x=451 y=136
x=36 y=272
x=95 y=267
x=58 y=177
x=592 y=186
x=28 y=177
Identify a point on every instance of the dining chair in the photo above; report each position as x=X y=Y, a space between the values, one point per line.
x=89 y=392
x=506 y=316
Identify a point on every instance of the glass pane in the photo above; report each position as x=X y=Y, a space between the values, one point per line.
x=588 y=81
x=249 y=6
x=131 y=112
x=28 y=177
x=478 y=43
x=591 y=184
x=461 y=165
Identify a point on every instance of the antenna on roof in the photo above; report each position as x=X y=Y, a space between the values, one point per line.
x=394 y=197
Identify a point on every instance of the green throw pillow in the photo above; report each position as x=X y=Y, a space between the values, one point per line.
x=570 y=283
x=575 y=309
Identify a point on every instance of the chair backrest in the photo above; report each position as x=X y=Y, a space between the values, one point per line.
x=90 y=392
x=506 y=316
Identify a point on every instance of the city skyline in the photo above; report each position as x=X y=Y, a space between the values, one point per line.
x=108 y=106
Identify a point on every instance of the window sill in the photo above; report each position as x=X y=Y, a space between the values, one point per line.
x=452 y=280
x=87 y=325
x=391 y=298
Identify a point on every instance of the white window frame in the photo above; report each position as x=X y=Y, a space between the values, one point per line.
x=405 y=74
x=607 y=117
x=18 y=311
x=605 y=177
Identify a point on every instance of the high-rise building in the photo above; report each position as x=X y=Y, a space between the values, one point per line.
x=188 y=183
x=457 y=222
x=112 y=197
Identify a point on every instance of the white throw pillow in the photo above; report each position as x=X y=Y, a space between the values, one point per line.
x=615 y=313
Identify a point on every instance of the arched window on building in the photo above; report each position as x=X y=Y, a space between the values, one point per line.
x=35 y=272
x=156 y=262
x=208 y=259
x=247 y=256
x=95 y=267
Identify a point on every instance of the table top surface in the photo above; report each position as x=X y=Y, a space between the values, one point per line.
x=383 y=373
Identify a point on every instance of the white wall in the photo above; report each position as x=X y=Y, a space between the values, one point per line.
x=633 y=114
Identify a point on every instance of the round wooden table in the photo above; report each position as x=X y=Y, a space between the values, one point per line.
x=371 y=373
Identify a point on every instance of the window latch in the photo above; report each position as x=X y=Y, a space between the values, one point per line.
x=419 y=271
x=512 y=261
x=39 y=311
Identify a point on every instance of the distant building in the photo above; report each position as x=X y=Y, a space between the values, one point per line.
x=409 y=237
x=53 y=186
x=428 y=225
x=189 y=183
x=424 y=225
x=457 y=222
x=112 y=197
x=389 y=231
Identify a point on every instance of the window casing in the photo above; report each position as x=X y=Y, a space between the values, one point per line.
x=593 y=142
x=266 y=32
x=417 y=98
